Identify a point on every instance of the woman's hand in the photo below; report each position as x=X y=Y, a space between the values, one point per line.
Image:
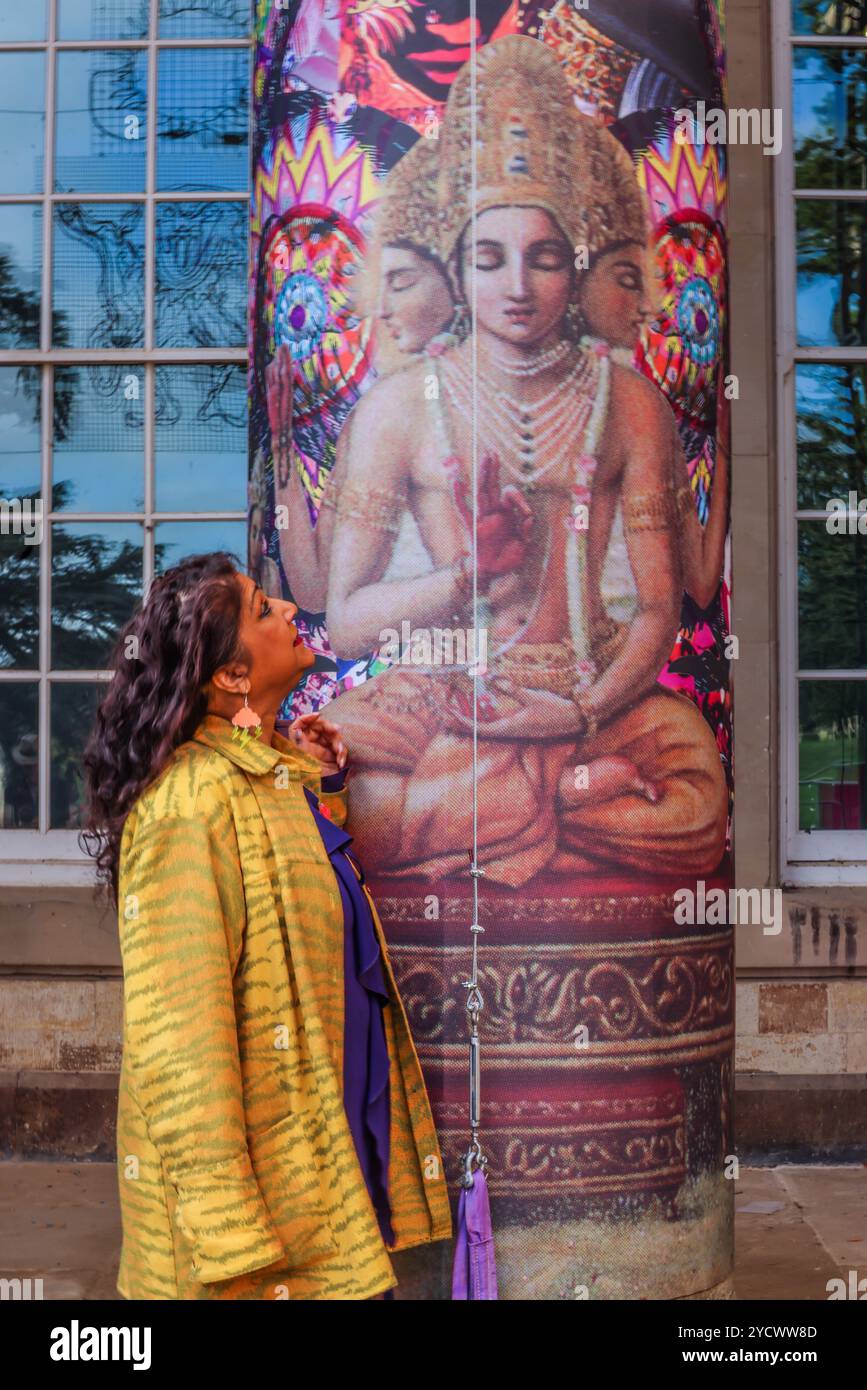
x=321 y=739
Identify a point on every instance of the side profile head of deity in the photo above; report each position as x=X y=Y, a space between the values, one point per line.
x=404 y=284
x=554 y=190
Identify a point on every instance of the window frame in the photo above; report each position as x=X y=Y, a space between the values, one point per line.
x=828 y=857
x=46 y=856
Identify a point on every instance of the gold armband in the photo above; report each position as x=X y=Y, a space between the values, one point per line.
x=649 y=511
x=684 y=501
x=372 y=506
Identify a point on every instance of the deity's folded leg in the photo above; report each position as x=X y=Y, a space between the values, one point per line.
x=412 y=785
x=684 y=831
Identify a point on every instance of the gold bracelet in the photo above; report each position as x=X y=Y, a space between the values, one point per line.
x=591 y=719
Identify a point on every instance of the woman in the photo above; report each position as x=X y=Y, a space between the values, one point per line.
x=258 y=1157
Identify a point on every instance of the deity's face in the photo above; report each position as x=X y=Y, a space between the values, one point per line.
x=613 y=296
x=524 y=274
x=415 y=301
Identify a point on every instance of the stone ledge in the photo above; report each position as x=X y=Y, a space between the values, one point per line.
x=71 y=1115
x=800 y=1118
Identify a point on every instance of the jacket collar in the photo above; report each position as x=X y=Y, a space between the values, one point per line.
x=255 y=757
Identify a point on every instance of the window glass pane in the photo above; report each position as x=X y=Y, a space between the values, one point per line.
x=102 y=19
x=175 y=540
x=831 y=404
x=833 y=719
x=202 y=100
x=96 y=581
x=201 y=438
x=101 y=111
x=201 y=274
x=204 y=19
x=98 y=462
x=19 y=775
x=98 y=274
x=20 y=273
x=22 y=122
x=20 y=433
x=23 y=23
x=829 y=88
x=831 y=250
x=73 y=710
x=19 y=590
x=832 y=597
x=829 y=17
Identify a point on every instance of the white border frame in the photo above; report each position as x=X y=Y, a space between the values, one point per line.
x=826 y=857
x=49 y=857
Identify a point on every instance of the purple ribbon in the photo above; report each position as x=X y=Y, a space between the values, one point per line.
x=475 y=1270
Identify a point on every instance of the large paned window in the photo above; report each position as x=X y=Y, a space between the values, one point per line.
x=123 y=417
x=821 y=52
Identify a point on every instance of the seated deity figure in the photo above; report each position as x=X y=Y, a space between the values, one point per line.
x=405 y=289
x=583 y=761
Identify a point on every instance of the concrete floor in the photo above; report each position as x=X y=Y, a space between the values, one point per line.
x=796 y=1228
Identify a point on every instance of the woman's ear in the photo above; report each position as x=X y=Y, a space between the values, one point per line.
x=231 y=680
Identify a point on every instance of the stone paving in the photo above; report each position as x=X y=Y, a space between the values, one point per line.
x=797 y=1227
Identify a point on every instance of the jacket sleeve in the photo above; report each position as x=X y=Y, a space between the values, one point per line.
x=181 y=890
x=334 y=795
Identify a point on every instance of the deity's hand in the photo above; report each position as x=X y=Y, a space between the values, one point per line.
x=278 y=390
x=529 y=714
x=505 y=519
x=321 y=739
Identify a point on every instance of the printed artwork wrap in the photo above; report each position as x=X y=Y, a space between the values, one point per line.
x=519 y=261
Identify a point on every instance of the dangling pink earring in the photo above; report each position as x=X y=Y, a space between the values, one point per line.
x=248 y=724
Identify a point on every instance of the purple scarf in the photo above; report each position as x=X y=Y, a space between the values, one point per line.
x=475 y=1271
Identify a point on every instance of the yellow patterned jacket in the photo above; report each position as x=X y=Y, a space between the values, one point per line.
x=237 y=1170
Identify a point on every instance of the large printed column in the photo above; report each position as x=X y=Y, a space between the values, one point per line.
x=516 y=263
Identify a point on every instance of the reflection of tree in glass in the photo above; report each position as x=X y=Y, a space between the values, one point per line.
x=95 y=584
x=19 y=778
x=832 y=241
x=828 y=17
x=19 y=312
x=835 y=157
x=832 y=433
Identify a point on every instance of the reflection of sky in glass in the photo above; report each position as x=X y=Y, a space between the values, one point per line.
x=98 y=273
x=102 y=19
x=206 y=19
x=826 y=232
x=831 y=406
x=100 y=459
x=22 y=121
x=829 y=17
x=201 y=274
x=21 y=261
x=23 y=23
x=175 y=540
x=829 y=99
x=19 y=431
x=19 y=779
x=96 y=577
x=201 y=438
x=202 y=100
x=101 y=110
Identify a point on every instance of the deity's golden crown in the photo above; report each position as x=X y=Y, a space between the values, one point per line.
x=533 y=148
x=407 y=208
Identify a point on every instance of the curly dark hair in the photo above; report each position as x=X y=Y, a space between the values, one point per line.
x=163 y=659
